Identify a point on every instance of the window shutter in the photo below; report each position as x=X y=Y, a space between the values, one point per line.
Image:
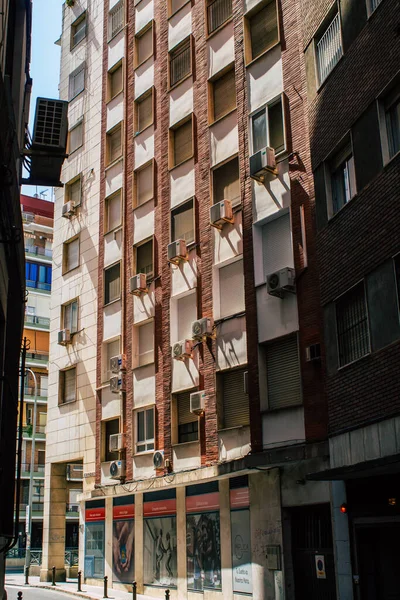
x=180 y=63
x=75 y=192
x=224 y=94
x=42 y=342
x=115 y=81
x=264 y=29
x=144 y=184
x=144 y=258
x=352 y=325
x=183 y=404
x=382 y=305
x=114 y=145
x=73 y=254
x=116 y=20
x=113 y=208
x=367 y=146
x=67 y=316
x=183 y=142
x=182 y=223
x=146 y=343
x=218 y=11
x=76 y=137
x=277 y=245
x=69 y=385
x=112 y=283
x=235 y=400
x=144 y=46
x=283 y=373
x=145 y=112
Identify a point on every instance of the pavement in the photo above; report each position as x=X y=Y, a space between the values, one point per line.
x=90 y=592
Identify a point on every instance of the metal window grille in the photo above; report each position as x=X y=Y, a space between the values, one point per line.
x=218 y=12
x=329 y=49
x=116 y=20
x=180 y=63
x=352 y=325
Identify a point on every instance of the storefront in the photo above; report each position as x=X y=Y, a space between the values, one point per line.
x=123 y=543
x=94 y=539
x=239 y=498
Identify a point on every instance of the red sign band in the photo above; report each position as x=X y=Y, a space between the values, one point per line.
x=95 y=514
x=124 y=512
x=240 y=498
x=159 y=508
x=204 y=502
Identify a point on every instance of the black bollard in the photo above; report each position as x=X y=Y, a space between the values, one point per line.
x=19 y=595
x=79 y=581
x=134 y=592
x=53 y=576
x=105 y=586
x=27 y=575
x=167 y=593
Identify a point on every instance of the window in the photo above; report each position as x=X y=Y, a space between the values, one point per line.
x=113 y=211
x=114 y=144
x=181 y=142
x=144 y=344
x=222 y=95
x=78 y=30
x=69 y=316
x=180 y=62
x=111 y=349
x=115 y=81
x=75 y=139
x=145 y=430
x=373 y=4
x=352 y=325
x=38 y=276
x=115 y=20
x=144 y=45
x=267 y=127
x=231 y=289
x=77 y=82
x=342 y=178
x=175 y=5
x=226 y=183
x=70 y=255
x=392 y=116
x=110 y=428
x=182 y=222
x=218 y=12
x=73 y=191
x=329 y=49
x=188 y=423
x=261 y=30
x=144 y=259
x=143 y=189
x=112 y=284
x=235 y=400
x=144 y=111
x=283 y=373
x=67 y=386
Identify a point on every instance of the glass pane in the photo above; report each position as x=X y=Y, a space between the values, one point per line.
x=150 y=424
x=145 y=112
x=144 y=258
x=112 y=284
x=182 y=223
x=116 y=82
x=75 y=137
x=180 y=63
x=226 y=184
x=393 y=128
x=140 y=427
x=275 y=123
x=67 y=316
x=113 y=210
x=259 y=130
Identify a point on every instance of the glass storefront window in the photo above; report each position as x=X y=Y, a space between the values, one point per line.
x=241 y=551
x=203 y=551
x=160 y=551
x=94 y=550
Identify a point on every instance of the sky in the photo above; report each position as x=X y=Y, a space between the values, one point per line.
x=45 y=63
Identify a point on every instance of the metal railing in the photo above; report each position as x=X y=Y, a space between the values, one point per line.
x=27 y=430
x=36 y=506
x=39 y=251
x=329 y=49
x=30 y=391
x=72 y=507
x=180 y=63
x=38 y=285
x=34 y=320
x=26 y=468
x=37 y=356
x=218 y=12
x=71 y=557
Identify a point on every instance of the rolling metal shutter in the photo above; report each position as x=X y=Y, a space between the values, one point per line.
x=283 y=373
x=184 y=414
x=235 y=401
x=277 y=244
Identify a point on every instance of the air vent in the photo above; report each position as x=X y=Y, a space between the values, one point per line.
x=50 y=128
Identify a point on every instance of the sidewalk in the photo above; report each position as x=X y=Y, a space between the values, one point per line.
x=90 y=592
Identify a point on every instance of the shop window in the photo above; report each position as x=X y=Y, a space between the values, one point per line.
x=261 y=30
x=144 y=44
x=145 y=430
x=69 y=316
x=94 y=550
x=180 y=62
x=235 y=400
x=144 y=114
x=143 y=189
x=67 y=383
x=226 y=182
x=144 y=258
x=222 y=95
x=231 y=278
x=115 y=81
x=78 y=30
x=182 y=222
x=352 y=325
x=70 y=255
x=268 y=127
x=159 y=539
x=112 y=283
x=115 y=20
x=112 y=207
x=181 y=146
x=203 y=550
x=114 y=144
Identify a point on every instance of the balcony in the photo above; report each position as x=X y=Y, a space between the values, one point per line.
x=72 y=509
x=40 y=432
x=38 y=471
x=36 y=359
x=40 y=286
x=38 y=322
x=37 y=509
x=29 y=394
x=38 y=251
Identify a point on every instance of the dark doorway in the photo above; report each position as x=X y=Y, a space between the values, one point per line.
x=311 y=537
x=378 y=557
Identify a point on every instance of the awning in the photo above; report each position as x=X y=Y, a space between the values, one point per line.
x=371 y=468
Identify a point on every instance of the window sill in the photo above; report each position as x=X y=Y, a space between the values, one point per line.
x=144 y=453
x=253 y=60
x=222 y=117
x=143 y=61
x=226 y=429
x=342 y=367
x=143 y=366
x=192 y=443
x=71 y=152
x=76 y=95
x=66 y=403
x=114 y=230
x=210 y=35
x=116 y=34
x=120 y=93
x=172 y=87
x=371 y=13
x=143 y=203
x=268 y=411
x=391 y=159
x=179 y=9
x=112 y=302
x=137 y=133
x=181 y=163
x=112 y=164
x=70 y=270
x=80 y=42
x=331 y=218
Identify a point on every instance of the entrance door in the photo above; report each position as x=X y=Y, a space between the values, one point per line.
x=378 y=557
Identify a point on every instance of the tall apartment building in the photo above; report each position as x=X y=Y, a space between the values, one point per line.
x=186 y=372
x=352 y=52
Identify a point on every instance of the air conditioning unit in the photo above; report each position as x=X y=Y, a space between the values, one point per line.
x=313 y=353
x=221 y=213
x=64 y=337
x=117 y=442
x=117 y=384
x=158 y=459
x=138 y=284
x=182 y=350
x=117 y=469
x=280 y=282
x=197 y=402
x=51 y=124
x=117 y=363
x=68 y=209
x=263 y=164
x=202 y=328
x=177 y=252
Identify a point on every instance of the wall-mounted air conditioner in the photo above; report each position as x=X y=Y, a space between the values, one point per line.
x=117 y=469
x=177 y=252
x=313 y=353
x=281 y=282
x=117 y=384
x=138 y=284
x=202 y=328
x=158 y=459
x=263 y=164
x=182 y=350
x=68 y=209
x=117 y=363
x=64 y=337
x=221 y=213
x=197 y=402
x=117 y=442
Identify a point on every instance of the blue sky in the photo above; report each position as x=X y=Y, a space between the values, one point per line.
x=45 y=60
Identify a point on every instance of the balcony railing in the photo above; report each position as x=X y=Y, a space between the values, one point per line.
x=42 y=322
x=40 y=431
x=30 y=391
x=38 y=251
x=329 y=49
x=71 y=555
x=38 y=285
x=26 y=468
x=218 y=12
x=37 y=507
x=40 y=358
x=72 y=507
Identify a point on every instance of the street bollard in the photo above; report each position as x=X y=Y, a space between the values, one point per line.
x=79 y=581
x=134 y=592
x=167 y=593
x=53 y=576
x=105 y=586
x=19 y=595
x=27 y=575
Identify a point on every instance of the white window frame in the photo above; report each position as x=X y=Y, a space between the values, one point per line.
x=147 y=441
x=265 y=107
x=330 y=22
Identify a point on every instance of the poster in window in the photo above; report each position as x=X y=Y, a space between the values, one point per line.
x=94 y=550
x=241 y=551
x=160 y=563
x=123 y=550
x=203 y=551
